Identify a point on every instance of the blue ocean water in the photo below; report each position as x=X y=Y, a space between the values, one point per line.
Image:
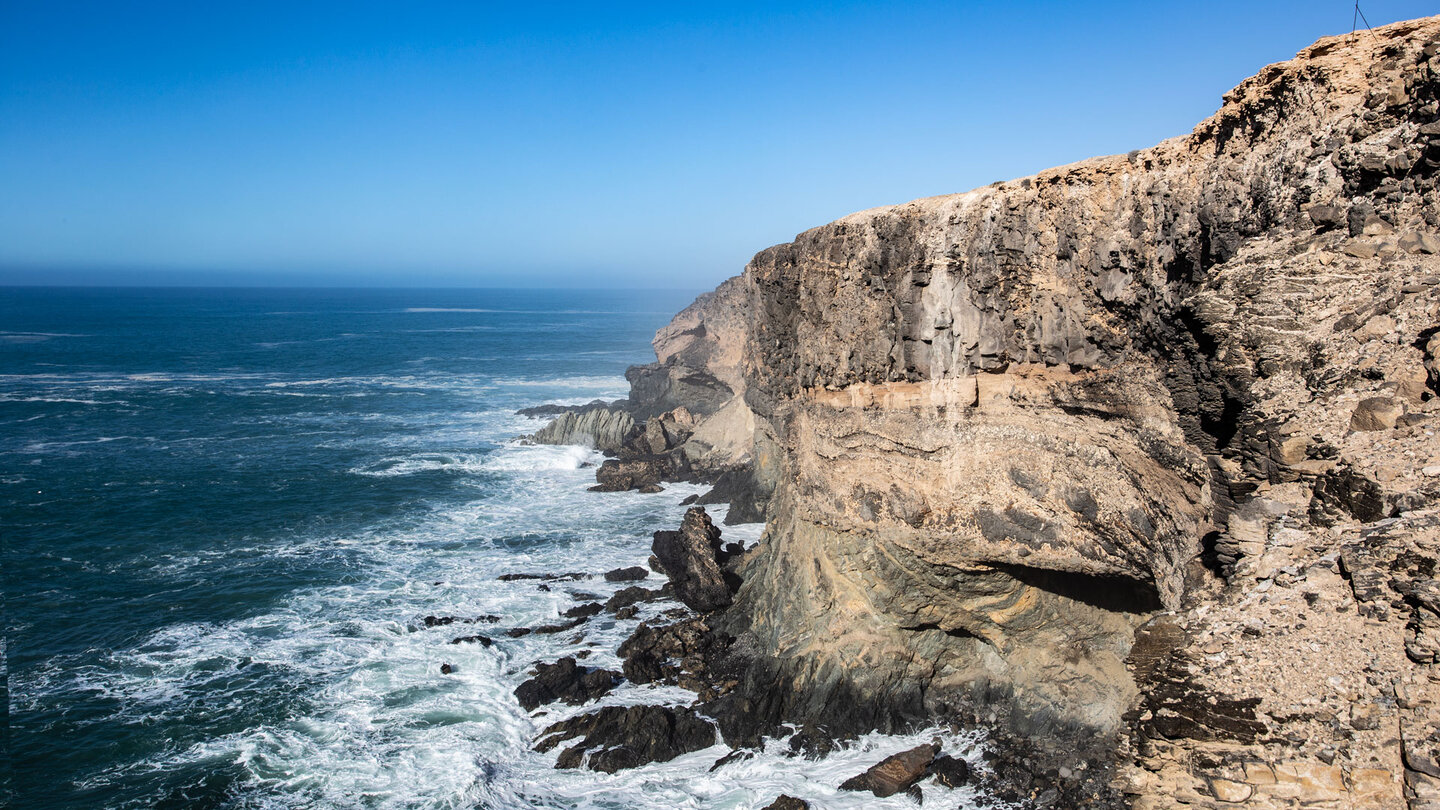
x=226 y=513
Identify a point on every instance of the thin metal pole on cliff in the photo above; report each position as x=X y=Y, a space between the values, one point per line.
x=1359 y=15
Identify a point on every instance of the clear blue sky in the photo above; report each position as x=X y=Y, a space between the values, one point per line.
x=540 y=144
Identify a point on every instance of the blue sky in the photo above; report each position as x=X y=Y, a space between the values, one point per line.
x=550 y=144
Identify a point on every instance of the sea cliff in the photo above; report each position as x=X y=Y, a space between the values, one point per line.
x=1132 y=461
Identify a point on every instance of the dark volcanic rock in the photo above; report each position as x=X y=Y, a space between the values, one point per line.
x=583 y=611
x=738 y=755
x=617 y=737
x=896 y=773
x=550 y=409
x=630 y=596
x=661 y=653
x=690 y=558
x=483 y=641
x=630 y=574
x=812 y=742
x=952 y=772
x=443 y=621
x=564 y=681
x=788 y=803
x=573 y=575
x=562 y=627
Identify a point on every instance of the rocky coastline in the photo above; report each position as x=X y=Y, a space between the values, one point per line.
x=1131 y=463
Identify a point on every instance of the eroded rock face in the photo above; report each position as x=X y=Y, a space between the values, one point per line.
x=691 y=558
x=1005 y=429
x=615 y=738
x=1008 y=418
x=600 y=427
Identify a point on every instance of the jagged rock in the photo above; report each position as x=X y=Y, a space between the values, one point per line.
x=811 y=742
x=743 y=491
x=952 y=772
x=630 y=574
x=667 y=431
x=1351 y=491
x=630 y=596
x=561 y=627
x=617 y=737
x=786 y=802
x=550 y=409
x=689 y=558
x=601 y=428
x=895 y=773
x=565 y=681
x=661 y=652
x=483 y=641
x=445 y=621
x=619 y=475
x=584 y=611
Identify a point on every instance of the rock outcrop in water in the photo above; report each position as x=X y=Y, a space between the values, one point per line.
x=1132 y=461
x=599 y=426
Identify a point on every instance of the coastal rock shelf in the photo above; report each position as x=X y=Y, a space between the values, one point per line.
x=1132 y=462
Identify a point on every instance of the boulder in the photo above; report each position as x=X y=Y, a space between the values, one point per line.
x=690 y=559
x=896 y=773
x=630 y=574
x=788 y=803
x=1376 y=413
x=584 y=611
x=1326 y=217
x=1419 y=242
x=952 y=772
x=630 y=596
x=619 y=475
x=619 y=737
x=565 y=681
x=811 y=742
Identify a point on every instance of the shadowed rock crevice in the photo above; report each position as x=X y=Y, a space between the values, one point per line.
x=1114 y=594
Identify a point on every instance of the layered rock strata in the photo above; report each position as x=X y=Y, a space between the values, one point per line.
x=1132 y=460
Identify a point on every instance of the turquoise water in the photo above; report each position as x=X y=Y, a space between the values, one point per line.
x=226 y=512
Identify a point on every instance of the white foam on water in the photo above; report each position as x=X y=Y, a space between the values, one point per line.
x=423 y=462
x=370 y=721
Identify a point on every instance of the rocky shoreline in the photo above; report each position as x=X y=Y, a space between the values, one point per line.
x=1131 y=463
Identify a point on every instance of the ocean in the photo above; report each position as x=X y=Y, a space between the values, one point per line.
x=226 y=513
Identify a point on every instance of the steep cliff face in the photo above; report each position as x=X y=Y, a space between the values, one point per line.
x=1011 y=426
